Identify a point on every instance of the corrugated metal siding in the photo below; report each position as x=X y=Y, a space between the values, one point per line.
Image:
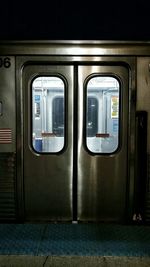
x=7 y=186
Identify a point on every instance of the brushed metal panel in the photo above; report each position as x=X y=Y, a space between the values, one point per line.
x=143 y=103
x=79 y=47
x=47 y=177
x=8 y=102
x=102 y=179
x=143 y=90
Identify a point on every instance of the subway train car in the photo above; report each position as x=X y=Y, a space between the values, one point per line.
x=74 y=131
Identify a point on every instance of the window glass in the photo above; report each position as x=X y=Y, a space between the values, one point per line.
x=92 y=113
x=58 y=116
x=48 y=114
x=102 y=114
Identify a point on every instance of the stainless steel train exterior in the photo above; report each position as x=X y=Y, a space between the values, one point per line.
x=74 y=131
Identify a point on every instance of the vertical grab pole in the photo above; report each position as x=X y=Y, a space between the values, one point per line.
x=140 y=166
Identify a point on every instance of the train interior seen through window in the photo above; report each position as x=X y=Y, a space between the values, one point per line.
x=102 y=114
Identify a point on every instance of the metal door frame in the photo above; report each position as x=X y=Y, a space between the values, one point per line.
x=130 y=62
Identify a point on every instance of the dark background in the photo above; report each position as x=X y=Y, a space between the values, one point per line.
x=75 y=20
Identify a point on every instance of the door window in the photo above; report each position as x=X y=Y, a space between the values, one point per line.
x=102 y=114
x=48 y=114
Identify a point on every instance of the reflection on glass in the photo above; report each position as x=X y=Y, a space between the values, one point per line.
x=102 y=114
x=48 y=114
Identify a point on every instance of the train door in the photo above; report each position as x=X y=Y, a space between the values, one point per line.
x=102 y=157
x=48 y=142
x=75 y=128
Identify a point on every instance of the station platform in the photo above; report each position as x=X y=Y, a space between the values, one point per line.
x=67 y=244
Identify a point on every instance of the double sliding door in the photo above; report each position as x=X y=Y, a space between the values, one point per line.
x=75 y=132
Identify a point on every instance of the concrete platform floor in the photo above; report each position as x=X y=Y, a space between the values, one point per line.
x=72 y=261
